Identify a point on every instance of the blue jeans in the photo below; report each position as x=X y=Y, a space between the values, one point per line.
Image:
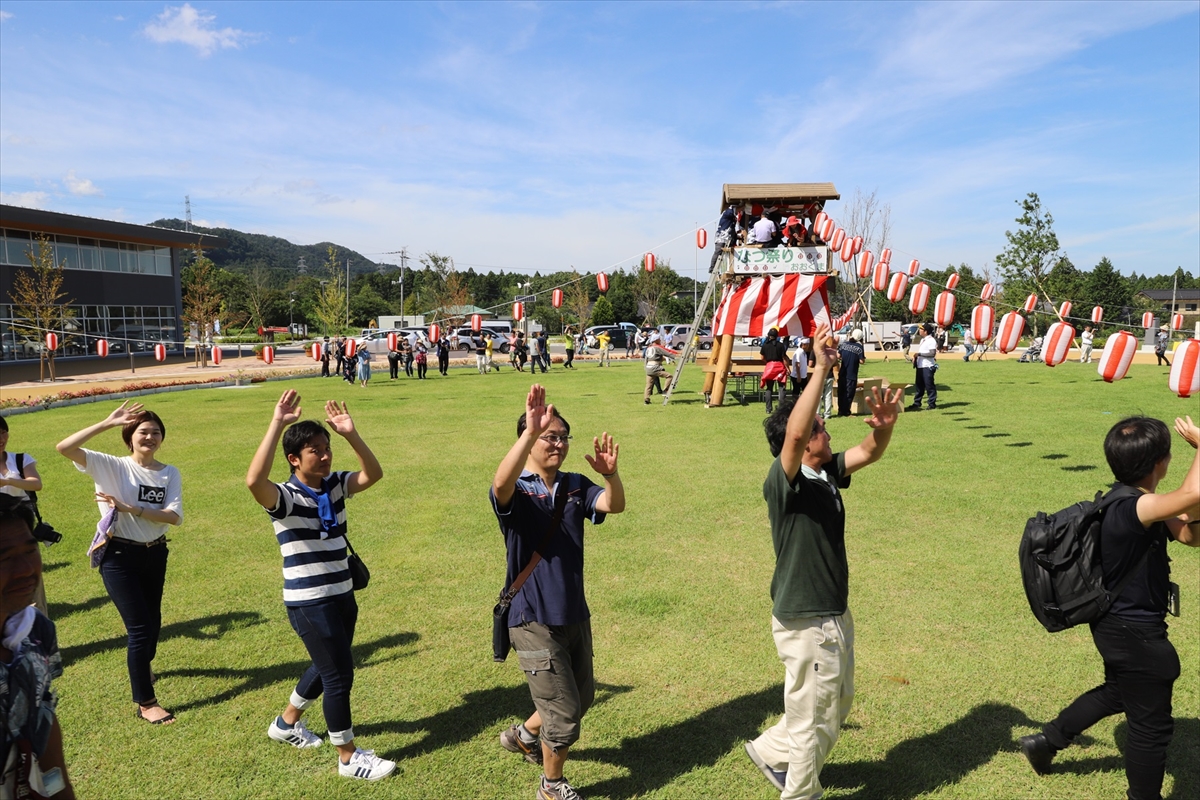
x=134 y=575
x=327 y=630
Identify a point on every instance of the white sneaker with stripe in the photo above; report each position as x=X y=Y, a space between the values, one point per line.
x=296 y=736
x=365 y=765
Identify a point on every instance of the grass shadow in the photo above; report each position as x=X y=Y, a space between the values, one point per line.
x=1055 y=456
x=1019 y=444
x=954 y=405
x=213 y=627
x=60 y=610
x=933 y=761
x=478 y=712
x=657 y=758
x=1183 y=759
x=995 y=435
x=1080 y=468
x=54 y=565
x=976 y=427
x=251 y=679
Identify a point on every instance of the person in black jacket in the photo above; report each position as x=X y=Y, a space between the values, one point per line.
x=775 y=370
x=1140 y=663
x=850 y=354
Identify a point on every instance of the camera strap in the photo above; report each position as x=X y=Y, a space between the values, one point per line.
x=560 y=507
x=32 y=495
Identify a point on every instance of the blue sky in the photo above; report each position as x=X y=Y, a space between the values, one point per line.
x=539 y=136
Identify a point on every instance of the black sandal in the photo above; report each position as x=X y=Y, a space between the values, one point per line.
x=169 y=718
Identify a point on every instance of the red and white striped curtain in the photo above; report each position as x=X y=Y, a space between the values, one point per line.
x=795 y=304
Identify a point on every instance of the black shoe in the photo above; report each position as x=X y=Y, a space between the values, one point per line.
x=914 y=407
x=1038 y=752
x=932 y=407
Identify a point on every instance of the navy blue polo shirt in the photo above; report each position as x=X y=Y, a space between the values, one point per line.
x=553 y=594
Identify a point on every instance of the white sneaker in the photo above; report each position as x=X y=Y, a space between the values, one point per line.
x=296 y=736
x=365 y=765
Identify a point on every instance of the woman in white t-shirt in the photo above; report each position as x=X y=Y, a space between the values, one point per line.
x=147 y=495
x=12 y=482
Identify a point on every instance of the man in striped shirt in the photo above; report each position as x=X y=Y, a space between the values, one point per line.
x=309 y=516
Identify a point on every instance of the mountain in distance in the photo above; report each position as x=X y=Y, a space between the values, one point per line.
x=245 y=251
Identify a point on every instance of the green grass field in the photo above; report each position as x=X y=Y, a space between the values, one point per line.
x=951 y=665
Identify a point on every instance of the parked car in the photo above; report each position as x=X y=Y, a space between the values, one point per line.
x=618 y=335
x=666 y=331
x=682 y=333
x=465 y=334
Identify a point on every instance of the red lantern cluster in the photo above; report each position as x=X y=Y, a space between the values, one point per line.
x=897 y=286
x=943 y=309
x=1117 y=355
x=919 y=298
x=1185 y=369
x=1012 y=325
x=1058 y=341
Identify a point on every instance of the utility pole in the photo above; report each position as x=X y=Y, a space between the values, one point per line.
x=347 y=293
x=187 y=213
x=403 y=253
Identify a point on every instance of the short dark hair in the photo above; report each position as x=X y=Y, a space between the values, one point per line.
x=928 y=327
x=1135 y=446
x=13 y=508
x=3 y=424
x=300 y=434
x=145 y=415
x=521 y=423
x=775 y=426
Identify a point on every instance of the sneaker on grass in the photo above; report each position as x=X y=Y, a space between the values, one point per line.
x=296 y=736
x=365 y=765
x=778 y=778
x=511 y=741
x=560 y=790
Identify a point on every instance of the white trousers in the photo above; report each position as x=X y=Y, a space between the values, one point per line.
x=818 y=689
x=482 y=363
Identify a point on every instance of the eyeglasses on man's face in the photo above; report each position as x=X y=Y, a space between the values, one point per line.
x=556 y=439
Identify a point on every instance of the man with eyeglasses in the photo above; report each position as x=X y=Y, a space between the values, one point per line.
x=810 y=619
x=549 y=622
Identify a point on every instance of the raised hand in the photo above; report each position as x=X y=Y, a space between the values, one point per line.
x=605 y=460
x=338 y=417
x=538 y=415
x=884 y=407
x=1188 y=430
x=287 y=410
x=824 y=349
x=123 y=414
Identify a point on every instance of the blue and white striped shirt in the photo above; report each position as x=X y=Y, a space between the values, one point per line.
x=314 y=560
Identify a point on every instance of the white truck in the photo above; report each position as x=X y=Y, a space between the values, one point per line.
x=882 y=335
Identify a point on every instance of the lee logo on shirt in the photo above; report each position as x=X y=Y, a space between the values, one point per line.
x=152 y=494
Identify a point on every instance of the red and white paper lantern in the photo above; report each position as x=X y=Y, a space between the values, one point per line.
x=316 y=351
x=828 y=227
x=818 y=221
x=351 y=347
x=943 y=309
x=986 y=293
x=51 y=341
x=701 y=238
x=102 y=347
x=1058 y=341
x=1148 y=320
x=885 y=255
x=1176 y=322
x=393 y=340
x=1117 y=355
x=983 y=322
x=1064 y=310
x=268 y=354
x=1012 y=325
x=215 y=355
x=649 y=260
x=518 y=311
x=858 y=244
x=897 y=285
x=919 y=298
x=839 y=238
x=435 y=332
x=602 y=281
x=864 y=264
x=914 y=267
x=880 y=281
x=1185 y=369
x=476 y=322
x=556 y=298
x=160 y=352
x=952 y=281
x=1030 y=303
x=847 y=252
x=1097 y=315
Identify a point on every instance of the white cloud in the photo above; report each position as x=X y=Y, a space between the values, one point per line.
x=5 y=16
x=185 y=25
x=81 y=187
x=24 y=199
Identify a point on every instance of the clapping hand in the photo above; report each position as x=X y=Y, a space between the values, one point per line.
x=338 y=417
x=1188 y=430
x=605 y=460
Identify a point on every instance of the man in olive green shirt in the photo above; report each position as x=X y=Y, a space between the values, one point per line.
x=814 y=633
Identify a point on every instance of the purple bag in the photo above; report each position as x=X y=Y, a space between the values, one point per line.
x=100 y=541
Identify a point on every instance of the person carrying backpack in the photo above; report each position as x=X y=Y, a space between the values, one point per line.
x=1140 y=663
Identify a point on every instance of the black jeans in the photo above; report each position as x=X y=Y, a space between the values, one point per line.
x=847 y=387
x=422 y=367
x=570 y=358
x=327 y=630
x=134 y=575
x=443 y=363
x=393 y=368
x=1140 y=668
x=925 y=385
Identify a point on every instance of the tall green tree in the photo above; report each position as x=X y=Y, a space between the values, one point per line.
x=1031 y=252
x=37 y=297
x=1106 y=287
x=330 y=307
x=602 y=312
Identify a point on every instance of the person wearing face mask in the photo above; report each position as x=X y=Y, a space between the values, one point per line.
x=31 y=751
x=147 y=496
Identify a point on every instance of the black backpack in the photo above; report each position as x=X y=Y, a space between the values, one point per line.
x=1060 y=563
